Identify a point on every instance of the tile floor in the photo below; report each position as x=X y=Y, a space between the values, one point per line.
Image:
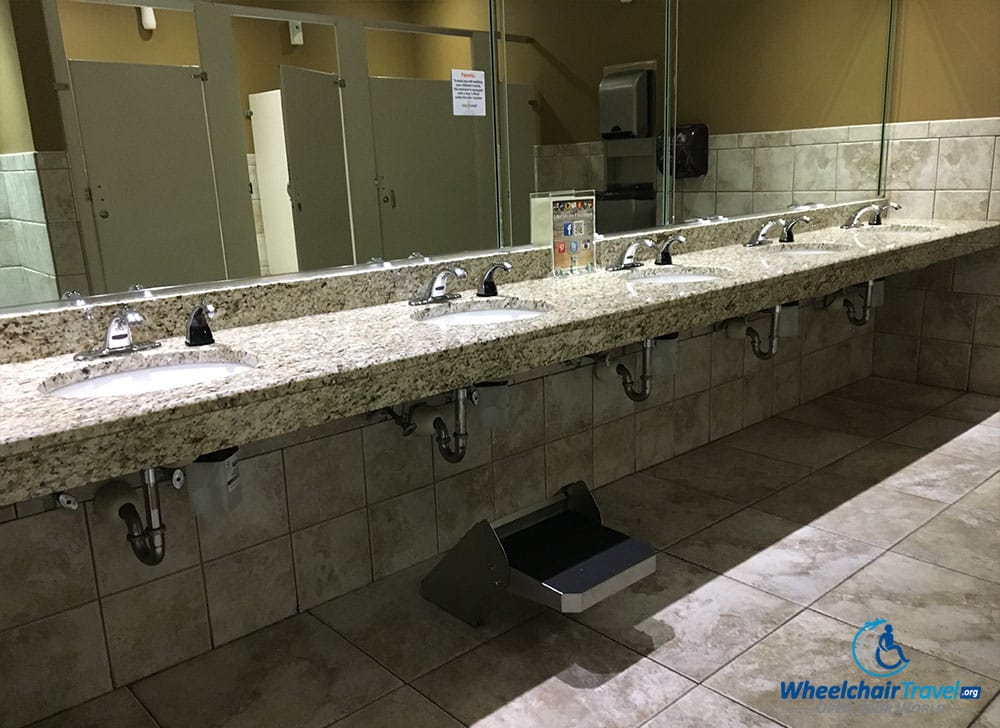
x=777 y=543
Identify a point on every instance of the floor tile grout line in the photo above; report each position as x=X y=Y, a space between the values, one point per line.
x=145 y=708
x=437 y=705
x=97 y=592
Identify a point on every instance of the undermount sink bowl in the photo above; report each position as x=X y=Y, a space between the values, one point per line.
x=805 y=249
x=676 y=275
x=86 y=382
x=480 y=312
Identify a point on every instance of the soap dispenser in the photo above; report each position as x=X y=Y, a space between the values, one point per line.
x=199 y=333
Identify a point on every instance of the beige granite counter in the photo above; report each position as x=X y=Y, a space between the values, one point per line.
x=316 y=368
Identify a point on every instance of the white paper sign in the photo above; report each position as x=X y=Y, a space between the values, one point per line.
x=468 y=92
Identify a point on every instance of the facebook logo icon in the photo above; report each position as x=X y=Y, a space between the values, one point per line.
x=567 y=229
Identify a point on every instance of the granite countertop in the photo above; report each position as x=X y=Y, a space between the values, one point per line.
x=317 y=368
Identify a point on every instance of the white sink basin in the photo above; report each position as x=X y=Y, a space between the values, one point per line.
x=151 y=379
x=673 y=275
x=480 y=312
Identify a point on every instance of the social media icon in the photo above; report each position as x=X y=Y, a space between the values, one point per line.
x=567 y=229
x=574 y=246
x=561 y=247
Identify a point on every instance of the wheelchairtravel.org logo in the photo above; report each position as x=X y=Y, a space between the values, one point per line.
x=877 y=654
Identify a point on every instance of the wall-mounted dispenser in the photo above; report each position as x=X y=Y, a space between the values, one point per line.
x=213 y=482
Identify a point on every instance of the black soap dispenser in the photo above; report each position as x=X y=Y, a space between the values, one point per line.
x=199 y=333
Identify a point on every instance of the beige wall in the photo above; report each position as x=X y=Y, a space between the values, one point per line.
x=758 y=65
x=572 y=42
x=15 y=129
x=946 y=60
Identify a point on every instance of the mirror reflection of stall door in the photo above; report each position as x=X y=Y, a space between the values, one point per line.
x=436 y=184
x=317 y=172
x=145 y=143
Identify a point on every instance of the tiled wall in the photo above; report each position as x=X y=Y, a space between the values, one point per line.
x=946 y=169
x=41 y=254
x=27 y=274
x=258 y=218
x=328 y=510
x=941 y=325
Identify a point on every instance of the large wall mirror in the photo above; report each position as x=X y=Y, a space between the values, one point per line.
x=264 y=138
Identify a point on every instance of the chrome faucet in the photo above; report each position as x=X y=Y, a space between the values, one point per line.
x=437 y=289
x=759 y=237
x=664 y=257
x=628 y=257
x=874 y=210
x=487 y=286
x=118 y=337
x=788 y=232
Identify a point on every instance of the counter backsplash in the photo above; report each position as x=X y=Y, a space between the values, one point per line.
x=53 y=329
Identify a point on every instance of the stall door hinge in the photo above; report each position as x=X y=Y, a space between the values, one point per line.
x=201 y=75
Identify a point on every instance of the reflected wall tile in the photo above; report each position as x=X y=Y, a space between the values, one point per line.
x=819 y=135
x=961 y=204
x=913 y=165
x=697 y=204
x=770 y=201
x=548 y=174
x=816 y=167
x=915 y=203
x=906 y=130
x=984 y=126
x=995 y=181
x=735 y=172
x=576 y=172
x=965 y=163
x=757 y=140
x=993 y=212
x=857 y=166
x=732 y=204
x=864 y=132
x=723 y=141
x=773 y=169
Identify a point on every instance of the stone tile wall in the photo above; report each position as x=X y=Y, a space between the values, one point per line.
x=328 y=510
x=41 y=253
x=941 y=325
x=945 y=169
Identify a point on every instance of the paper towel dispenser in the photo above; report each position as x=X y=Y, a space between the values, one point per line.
x=626 y=100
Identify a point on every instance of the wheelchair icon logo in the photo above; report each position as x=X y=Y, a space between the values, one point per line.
x=876 y=654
